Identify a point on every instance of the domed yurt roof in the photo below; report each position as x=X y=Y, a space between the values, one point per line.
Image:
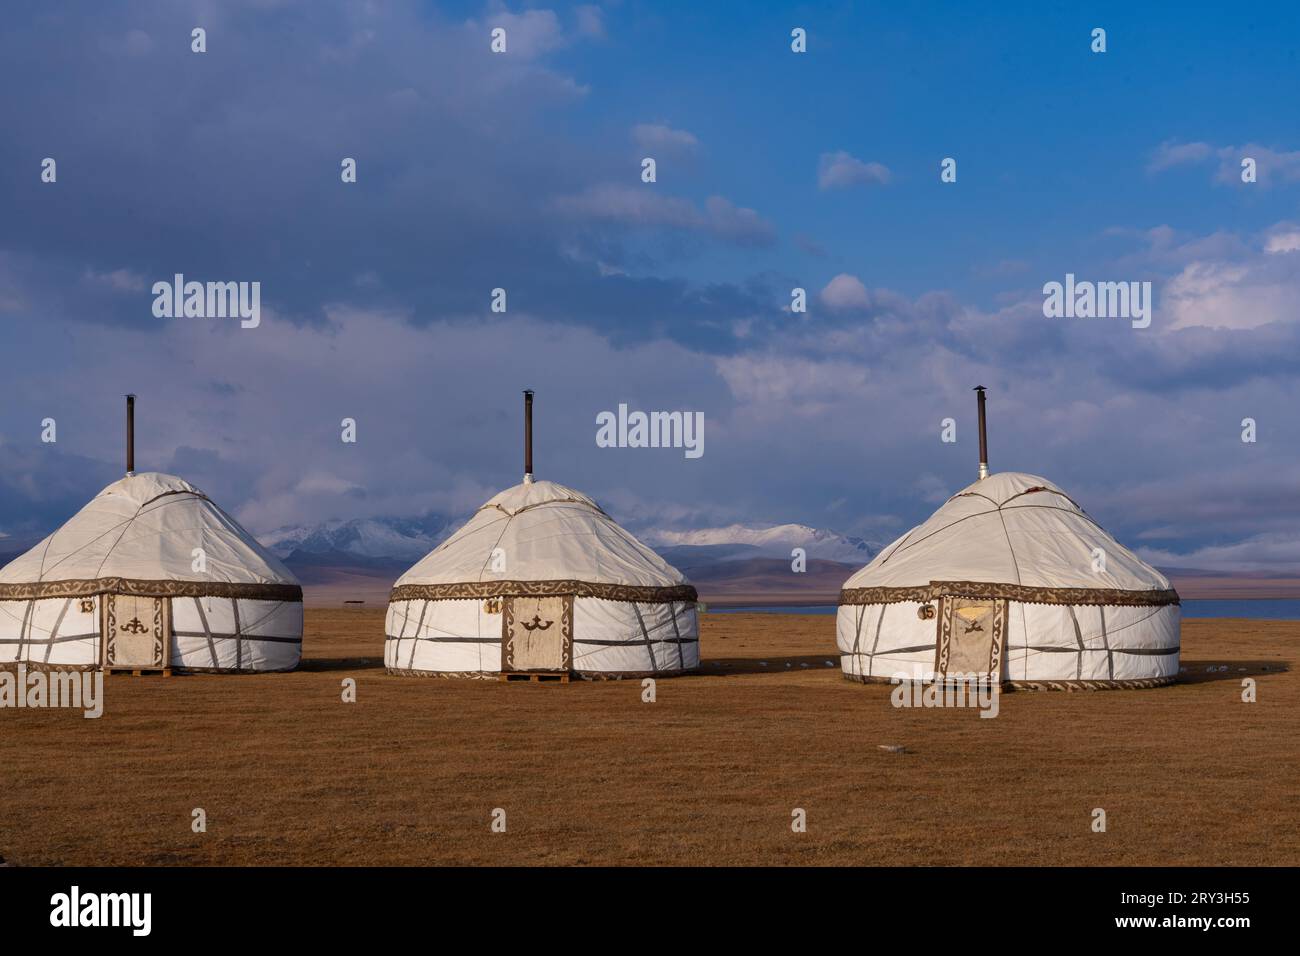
x=146 y=527
x=542 y=531
x=1010 y=528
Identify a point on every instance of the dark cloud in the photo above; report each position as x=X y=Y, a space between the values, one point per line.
x=226 y=166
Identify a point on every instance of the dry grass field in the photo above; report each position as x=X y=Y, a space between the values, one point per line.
x=707 y=775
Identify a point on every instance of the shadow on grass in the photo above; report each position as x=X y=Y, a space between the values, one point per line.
x=1193 y=671
x=1201 y=672
x=341 y=664
x=714 y=666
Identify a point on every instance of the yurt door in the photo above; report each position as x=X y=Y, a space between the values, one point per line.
x=137 y=631
x=537 y=634
x=971 y=635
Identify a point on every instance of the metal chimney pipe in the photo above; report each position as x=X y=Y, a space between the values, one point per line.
x=984 y=434
x=528 y=436
x=130 y=435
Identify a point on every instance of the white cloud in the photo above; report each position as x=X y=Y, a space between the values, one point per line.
x=664 y=138
x=844 y=293
x=646 y=206
x=530 y=34
x=1272 y=166
x=1223 y=280
x=1283 y=241
x=791 y=387
x=1223 y=296
x=1242 y=291
x=1269 y=552
x=1170 y=153
x=839 y=170
x=737 y=223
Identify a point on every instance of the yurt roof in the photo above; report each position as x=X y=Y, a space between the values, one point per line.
x=1009 y=528
x=145 y=527
x=546 y=532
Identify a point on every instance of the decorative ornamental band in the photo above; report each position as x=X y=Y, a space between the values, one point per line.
x=1134 y=683
x=485 y=589
x=1024 y=594
x=91 y=586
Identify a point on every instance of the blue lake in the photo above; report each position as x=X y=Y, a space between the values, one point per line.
x=1264 y=609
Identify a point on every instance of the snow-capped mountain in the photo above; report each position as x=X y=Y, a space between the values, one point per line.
x=409 y=539
x=406 y=539
x=363 y=557
x=738 y=542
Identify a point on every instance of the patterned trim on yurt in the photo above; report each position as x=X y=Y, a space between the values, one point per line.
x=448 y=675
x=92 y=586
x=46 y=668
x=1023 y=594
x=633 y=675
x=496 y=675
x=484 y=589
x=1136 y=683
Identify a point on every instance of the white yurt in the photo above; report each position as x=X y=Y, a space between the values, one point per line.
x=150 y=575
x=540 y=581
x=1010 y=580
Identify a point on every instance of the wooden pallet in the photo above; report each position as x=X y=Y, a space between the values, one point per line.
x=536 y=677
x=139 y=671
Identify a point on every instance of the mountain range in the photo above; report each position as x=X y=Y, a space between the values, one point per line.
x=735 y=564
x=382 y=540
x=738 y=541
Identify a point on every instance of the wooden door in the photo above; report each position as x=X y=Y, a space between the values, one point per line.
x=971 y=635
x=137 y=632
x=537 y=633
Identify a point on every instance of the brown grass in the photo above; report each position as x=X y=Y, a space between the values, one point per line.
x=708 y=775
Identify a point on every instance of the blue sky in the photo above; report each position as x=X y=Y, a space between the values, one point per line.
x=775 y=170
x=1046 y=133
